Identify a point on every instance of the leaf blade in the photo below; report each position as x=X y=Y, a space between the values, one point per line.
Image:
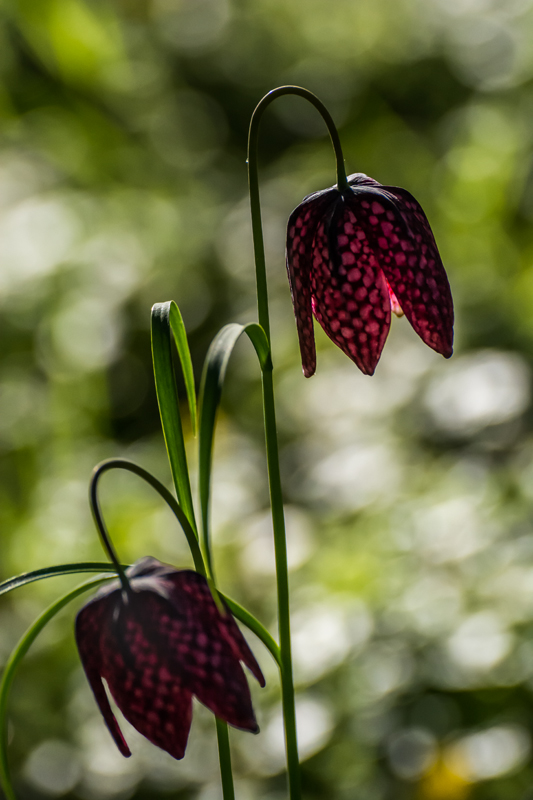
x=169 y=409
x=213 y=376
x=51 y=572
x=10 y=669
x=182 y=346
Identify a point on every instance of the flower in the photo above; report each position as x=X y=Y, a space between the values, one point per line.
x=159 y=645
x=354 y=255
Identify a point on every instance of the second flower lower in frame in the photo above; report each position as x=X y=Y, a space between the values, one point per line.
x=157 y=646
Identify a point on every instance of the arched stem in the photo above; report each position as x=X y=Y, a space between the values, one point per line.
x=276 y=495
x=253 y=179
x=105 y=538
x=120 y=463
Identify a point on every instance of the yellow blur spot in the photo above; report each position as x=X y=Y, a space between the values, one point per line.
x=440 y=783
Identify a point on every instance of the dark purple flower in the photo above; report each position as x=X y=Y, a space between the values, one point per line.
x=158 y=646
x=354 y=256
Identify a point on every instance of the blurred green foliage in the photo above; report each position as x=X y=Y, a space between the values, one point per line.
x=409 y=495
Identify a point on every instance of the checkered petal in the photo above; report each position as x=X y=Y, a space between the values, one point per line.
x=352 y=256
x=89 y=624
x=239 y=646
x=159 y=645
x=144 y=682
x=350 y=294
x=415 y=272
x=208 y=649
x=301 y=229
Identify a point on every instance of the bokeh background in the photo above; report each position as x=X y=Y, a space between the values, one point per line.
x=123 y=128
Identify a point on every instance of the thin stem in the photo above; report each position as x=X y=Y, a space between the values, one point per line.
x=282 y=581
x=276 y=496
x=95 y=566
x=253 y=138
x=121 y=463
x=224 y=757
x=50 y=572
x=107 y=544
x=10 y=669
x=255 y=626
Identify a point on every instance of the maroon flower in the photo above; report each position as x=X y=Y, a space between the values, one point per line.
x=159 y=645
x=353 y=255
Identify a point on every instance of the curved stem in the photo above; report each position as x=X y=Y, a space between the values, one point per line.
x=253 y=179
x=121 y=463
x=107 y=544
x=255 y=626
x=95 y=566
x=224 y=757
x=10 y=669
x=282 y=581
x=276 y=496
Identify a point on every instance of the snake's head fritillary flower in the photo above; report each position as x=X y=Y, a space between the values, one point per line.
x=157 y=646
x=353 y=257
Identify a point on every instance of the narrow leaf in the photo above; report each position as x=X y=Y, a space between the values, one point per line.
x=10 y=669
x=94 y=566
x=52 y=572
x=182 y=345
x=169 y=409
x=214 y=373
x=255 y=626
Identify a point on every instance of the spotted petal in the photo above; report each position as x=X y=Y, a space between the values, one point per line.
x=159 y=645
x=142 y=678
x=208 y=649
x=301 y=230
x=416 y=274
x=350 y=295
x=88 y=627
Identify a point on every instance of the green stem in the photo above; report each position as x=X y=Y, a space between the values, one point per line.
x=10 y=669
x=95 y=566
x=107 y=544
x=276 y=496
x=224 y=757
x=253 y=138
x=181 y=516
x=7 y=678
x=282 y=580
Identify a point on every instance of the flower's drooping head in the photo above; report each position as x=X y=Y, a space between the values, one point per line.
x=354 y=256
x=159 y=645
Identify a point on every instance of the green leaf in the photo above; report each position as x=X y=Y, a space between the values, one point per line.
x=214 y=373
x=166 y=320
x=254 y=625
x=95 y=566
x=52 y=572
x=14 y=660
x=29 y=637
x=182 y=345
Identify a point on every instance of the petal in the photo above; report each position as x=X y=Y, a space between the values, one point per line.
x=350 y=295
x=301 y=229
x=411 y=262
x=142 y=678
x=208 y=652
x=239 y=646
x=395 y=306
x=88 y=627
x=360 y=179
